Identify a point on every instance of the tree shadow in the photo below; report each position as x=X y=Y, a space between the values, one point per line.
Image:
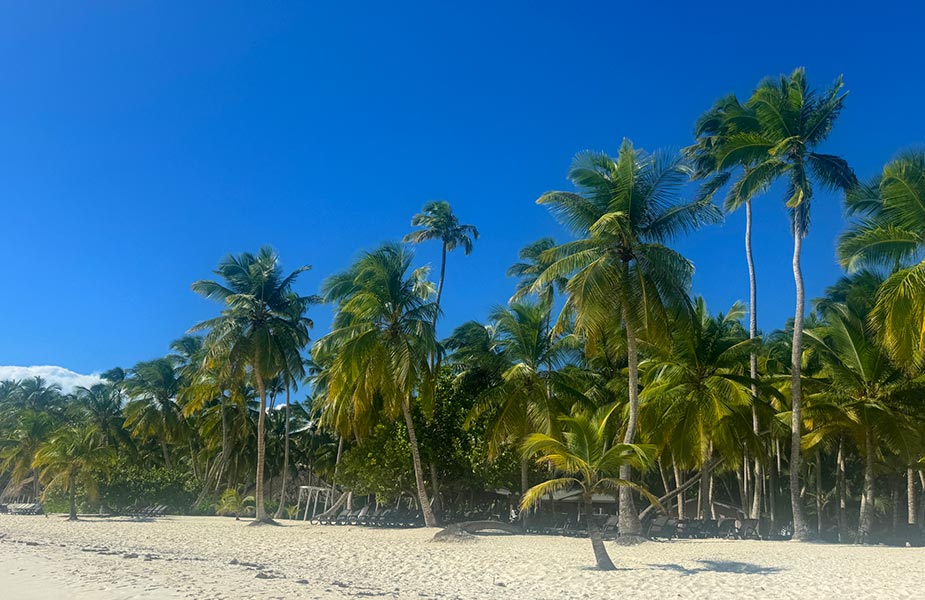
x=720 y=566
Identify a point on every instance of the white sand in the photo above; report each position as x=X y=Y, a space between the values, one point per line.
x=190 y=557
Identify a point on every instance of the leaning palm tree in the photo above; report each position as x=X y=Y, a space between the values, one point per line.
x=619 y=269
x=438 y=222
x=790 y=121
x=382 y=344
x=261 y=328
x=75 y=454
x=891 y=234
x=585 y=458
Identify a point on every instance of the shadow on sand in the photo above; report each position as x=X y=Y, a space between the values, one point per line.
x=720 y=566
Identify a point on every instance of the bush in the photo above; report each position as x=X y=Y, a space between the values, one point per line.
x=127 y=486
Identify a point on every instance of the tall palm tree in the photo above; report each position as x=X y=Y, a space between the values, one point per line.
x=584 y=457
x=153 y=411
x=619 y=268
x=382 y=343
x=102 y=404
x=438 y=222
x=791 y=120
x=75 y=454
x=890 y=233
x=262 y=327
x=725 y=119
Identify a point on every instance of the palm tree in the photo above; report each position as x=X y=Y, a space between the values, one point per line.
x=891 y=234
x=522 y=400
x=698 y=394
x=74 y=455
x=382 y=343
x=103 y=406
x=584 y=457
x=790 y=121
x=533 y=262
x=261 y=328
x=867 y=396
x=153 y=411
x=619 y=268
x=724 y=120
x=439 y=223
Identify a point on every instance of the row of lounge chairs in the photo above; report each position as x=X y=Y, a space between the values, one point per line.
x=380 y=517
x=22 y=509
x=148 y=512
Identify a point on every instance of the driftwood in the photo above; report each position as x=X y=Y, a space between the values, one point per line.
x=464 y=531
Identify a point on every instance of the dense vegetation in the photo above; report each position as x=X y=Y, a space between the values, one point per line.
x=602 y=373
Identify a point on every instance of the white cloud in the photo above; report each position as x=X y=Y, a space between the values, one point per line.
x=67 y=379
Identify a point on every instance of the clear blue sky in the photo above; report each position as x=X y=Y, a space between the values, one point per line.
x=142 y=141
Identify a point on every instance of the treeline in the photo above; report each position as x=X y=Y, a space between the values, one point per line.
x=602 y=374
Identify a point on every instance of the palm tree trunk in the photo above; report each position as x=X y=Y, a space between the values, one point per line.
x=429 y=519
x=773 y=490
x=753 y=357
x=910 y=496
x=678 y=485
x=818 y=473
x=865 y=522
x=261 y=514
x=282 y=491
x=629 y=524
x=800 y=531
x=524 y=486
x=442 y=276
x=842 y=486
x=597 y=541
x=706 y=476
x=226 y=444
x=72 y=494
x=166 y=454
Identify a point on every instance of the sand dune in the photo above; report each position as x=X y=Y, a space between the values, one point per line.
x=195 y=557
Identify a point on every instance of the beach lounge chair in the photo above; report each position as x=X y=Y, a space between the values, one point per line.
x=662 y=527
x=747 y=529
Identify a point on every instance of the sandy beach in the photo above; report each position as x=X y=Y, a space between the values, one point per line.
x=199 y=557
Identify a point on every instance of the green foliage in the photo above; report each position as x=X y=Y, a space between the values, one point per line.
x=130 y=485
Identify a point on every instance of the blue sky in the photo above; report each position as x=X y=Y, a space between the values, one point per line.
x=143 y=141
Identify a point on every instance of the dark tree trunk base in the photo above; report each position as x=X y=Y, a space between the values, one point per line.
x=630 y=540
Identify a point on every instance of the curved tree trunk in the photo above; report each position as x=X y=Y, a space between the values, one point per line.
x=629 y=524
x=865 y=522
x=597 y=541
x=755 y=511
x=429 y=519
x=282 y=492
x=800 y=531
x=261 y=514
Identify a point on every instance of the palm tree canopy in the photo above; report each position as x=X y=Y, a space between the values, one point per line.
x=437 y=222
x=624 y=211
x=263 y=323
x=889 y=232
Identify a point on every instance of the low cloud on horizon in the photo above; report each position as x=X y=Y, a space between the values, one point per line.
x=67 y=379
